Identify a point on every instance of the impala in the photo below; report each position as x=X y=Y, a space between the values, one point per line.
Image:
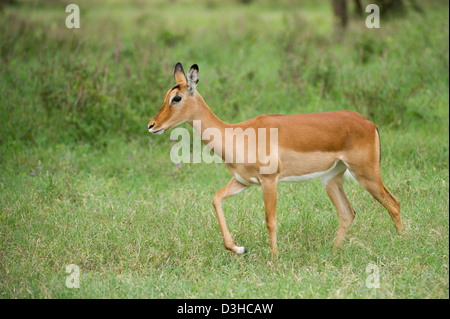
x=308 y=146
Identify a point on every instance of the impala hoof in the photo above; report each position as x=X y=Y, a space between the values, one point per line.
x=240 y=250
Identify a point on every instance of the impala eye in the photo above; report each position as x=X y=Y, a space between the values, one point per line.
x=176 y=99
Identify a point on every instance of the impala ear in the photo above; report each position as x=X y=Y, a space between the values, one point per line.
x=178 y=73
x=192 y=78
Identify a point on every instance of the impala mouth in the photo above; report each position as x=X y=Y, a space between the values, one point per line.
x=160 y=131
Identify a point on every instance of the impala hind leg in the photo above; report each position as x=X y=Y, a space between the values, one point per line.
x=269 y=187
x=335 y=191
x=371 y=180
x=232 y=188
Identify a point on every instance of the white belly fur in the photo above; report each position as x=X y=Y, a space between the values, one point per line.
x=324 y=176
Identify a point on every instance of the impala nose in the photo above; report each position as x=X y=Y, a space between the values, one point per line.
x=151 y=125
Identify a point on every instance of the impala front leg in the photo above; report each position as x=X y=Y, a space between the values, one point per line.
x=232 y=188
x=269 y=187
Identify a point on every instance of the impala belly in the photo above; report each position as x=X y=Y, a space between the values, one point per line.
x=298 y=167
x=324 y=176
x=241 y=180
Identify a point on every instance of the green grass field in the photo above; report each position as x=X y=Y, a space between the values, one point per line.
x=83 y=182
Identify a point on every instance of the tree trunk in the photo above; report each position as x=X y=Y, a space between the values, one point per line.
x=340 y=12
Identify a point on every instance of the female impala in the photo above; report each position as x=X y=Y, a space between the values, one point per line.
x=308 y=146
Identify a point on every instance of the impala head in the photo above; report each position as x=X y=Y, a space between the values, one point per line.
x=179 y=101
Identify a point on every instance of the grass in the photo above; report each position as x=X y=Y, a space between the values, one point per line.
x=83 y=183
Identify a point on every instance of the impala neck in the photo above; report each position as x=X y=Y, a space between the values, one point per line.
x=207 y=117
x=207 y=120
